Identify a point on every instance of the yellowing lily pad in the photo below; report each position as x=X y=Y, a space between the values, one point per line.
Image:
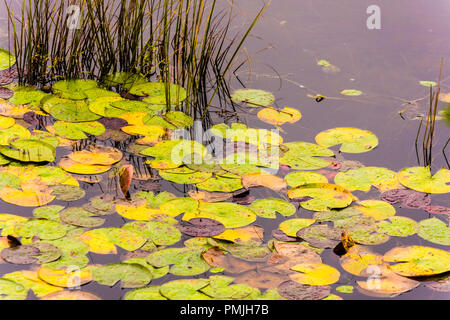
x=279 y=117
x=253 y=97
x=352 y=140
x=268 y=208
x=377 y=209
x=292 y=226
x=65 y=278
x=414 y=261
x=300 y=178
x=304 y=156
x=434 y=230
x=365 y=177
x=315 y=274
x=420 y=179
x=324 y=196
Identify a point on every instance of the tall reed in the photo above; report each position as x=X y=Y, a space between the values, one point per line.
x=186 y=42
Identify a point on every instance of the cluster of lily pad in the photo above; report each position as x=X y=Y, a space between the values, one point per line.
x=210 y=237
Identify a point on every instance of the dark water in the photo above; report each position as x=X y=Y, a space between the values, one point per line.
x=386 y=65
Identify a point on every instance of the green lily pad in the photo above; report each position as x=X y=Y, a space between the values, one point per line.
x=148 y=293
x=156 y=92
x=79 y=217
x=29 y=150
x=131 y=275
x=7 y=60
x=68 y=193
x=365 y=177
x=96 y=93
x=231 y=215
x=77 y=131
x=11 y=290
x=398 y=227
x=253 y=97
x=73 y=89
x=14 y=132
x=300 y=178
x=44 y=229
x=183 y=261
x=185 y=289
x=351 y=92
x=292 y=226
x=220 y=184
x=420 y=179
x=352 y=140
x=320 y=236
x=48 y=212
x=180 y=119
x=268 y=208
x=69 y=110
x=434 y=230
x=414 y=261
x=161 y=234
x=303 y=156
x=27 y=95
x=427 y=83
x=324 y=196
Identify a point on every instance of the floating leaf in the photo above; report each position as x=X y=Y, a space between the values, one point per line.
x=253 y=97
x=65 y=278
x=428 y=83
x=386 y=283
x=365 y=177
x=44 y=229
x=231 y=215
x=7 y=60
x=324 y=196
x=69 y=110
x=201 y=227
x=292 y=226
x=279 y=117
x=78 y=131
x=79 y=217
x=131 y=275
x=379 y=210
x=300 y=178
x=320 y=236
x=315 y=274
x=420 y=179
x=30 y=280
x=220 y=184
x=268 y=208
x=418 y=261
x=296 y=291
x=303 y=156
x=160 y=233
x=185 y=289
x=148 y=293
x=358 y=259
x=12 y=290
x=73 y=89
x=263 y=180
x=434 y=230
x=80 y=168
x=352 y=140
x=156 y=92
x=351 y=92
x=71 y=295
x=245 y=235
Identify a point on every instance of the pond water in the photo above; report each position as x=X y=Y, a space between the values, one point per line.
x=386 y=65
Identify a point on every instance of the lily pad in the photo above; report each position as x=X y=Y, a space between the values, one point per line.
x=79 y=217
x=296 y=291
x=303 y=156
x=201 y=227
x=292 y=226
x=398 y=226
x=73 y=89
x=315 y=274
x=131 y=275
x=352 y=140
x=78 y=131
x=7 y=60
x=320 y=236
x=434 y=230
x=365 y=177
x=420 y=179
x=300 y=178
x=253 y=97
x=268 y=208
x=324 y=196
x=414 y=261
x=279 y=117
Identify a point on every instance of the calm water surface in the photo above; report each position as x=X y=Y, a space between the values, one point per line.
x=386 y=65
